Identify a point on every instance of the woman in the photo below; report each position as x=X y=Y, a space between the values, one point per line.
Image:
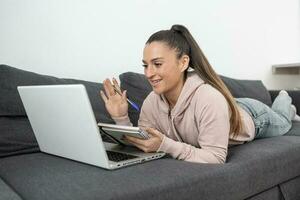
x=190 y=114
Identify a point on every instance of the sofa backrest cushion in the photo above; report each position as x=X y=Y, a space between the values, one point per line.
x=16 y=135
x=10 y=101
x=138 y=88
x=248 y=88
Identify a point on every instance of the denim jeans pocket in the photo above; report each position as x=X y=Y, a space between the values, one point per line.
x=261 y=122
x=252 y=106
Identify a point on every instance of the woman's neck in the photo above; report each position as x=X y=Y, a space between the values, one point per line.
x=173 y=95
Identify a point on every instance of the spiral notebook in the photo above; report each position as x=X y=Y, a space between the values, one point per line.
x=117 y=132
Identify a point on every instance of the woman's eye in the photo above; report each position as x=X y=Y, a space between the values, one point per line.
x=158 y=64
x=144 y=65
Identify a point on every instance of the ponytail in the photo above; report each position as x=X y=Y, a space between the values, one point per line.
x=180 y=39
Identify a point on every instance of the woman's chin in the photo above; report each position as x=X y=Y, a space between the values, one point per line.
x=157 y=90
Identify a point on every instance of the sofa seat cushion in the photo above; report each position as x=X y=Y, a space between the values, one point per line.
x=270 y=194
x=291 y=189
x=251 y=168
x=7 y=193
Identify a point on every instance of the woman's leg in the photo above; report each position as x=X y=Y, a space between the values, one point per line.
x=269 y=122
x=294 y=115
x=282 y=105
x=279 y=116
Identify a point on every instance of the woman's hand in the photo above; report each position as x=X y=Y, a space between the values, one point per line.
x=150 y=145
x=115 y=104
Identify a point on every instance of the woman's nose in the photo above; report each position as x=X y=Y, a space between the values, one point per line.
x=149 y=71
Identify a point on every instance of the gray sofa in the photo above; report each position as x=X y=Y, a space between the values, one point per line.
x=261 y=169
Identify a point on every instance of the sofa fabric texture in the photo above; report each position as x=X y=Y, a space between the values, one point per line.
x=16 y=136
x=251 y=168
x=7 y=193
x=248 y=88
x=11 y=103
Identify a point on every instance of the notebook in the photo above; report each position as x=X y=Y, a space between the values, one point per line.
x=117 y=132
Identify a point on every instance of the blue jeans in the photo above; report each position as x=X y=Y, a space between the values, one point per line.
x=269 y=122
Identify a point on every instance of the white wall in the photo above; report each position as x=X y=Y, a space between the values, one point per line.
x=95 y=39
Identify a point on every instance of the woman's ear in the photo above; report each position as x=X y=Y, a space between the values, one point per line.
x=185 y=60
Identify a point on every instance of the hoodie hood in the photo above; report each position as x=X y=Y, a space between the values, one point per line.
x=192 y=83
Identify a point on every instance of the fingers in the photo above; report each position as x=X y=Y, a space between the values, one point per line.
x=135 y=140
x=124 y=95
x=116 y=85
x=149 y=145
x=108 y=87
x=111 y=87
x=103 y=96
x=142 y=148
x=141 y=144
x=153 y=132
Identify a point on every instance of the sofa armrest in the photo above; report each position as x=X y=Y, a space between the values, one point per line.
x=294 y=94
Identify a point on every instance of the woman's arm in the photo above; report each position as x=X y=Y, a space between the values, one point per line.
x=187 y=152
x=212 y=118
x=124 y=120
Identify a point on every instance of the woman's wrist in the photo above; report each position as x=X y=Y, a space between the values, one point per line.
x=122 y=120
x=119 y=116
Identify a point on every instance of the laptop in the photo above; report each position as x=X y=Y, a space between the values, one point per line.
x=64 y=125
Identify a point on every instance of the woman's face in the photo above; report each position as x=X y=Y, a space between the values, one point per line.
x=163 y=69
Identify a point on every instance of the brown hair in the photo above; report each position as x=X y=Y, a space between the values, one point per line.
x=180 y=39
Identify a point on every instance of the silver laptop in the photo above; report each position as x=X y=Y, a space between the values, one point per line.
x=64 y=124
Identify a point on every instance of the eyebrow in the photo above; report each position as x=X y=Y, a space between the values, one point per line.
x=154 y=59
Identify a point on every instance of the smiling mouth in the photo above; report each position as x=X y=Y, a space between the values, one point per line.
x=155 y=82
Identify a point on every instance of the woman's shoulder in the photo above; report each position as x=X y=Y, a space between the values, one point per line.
x=208 y=101
x=208 y=97
x=151 y=100
x=151 y=97
x=208 y=92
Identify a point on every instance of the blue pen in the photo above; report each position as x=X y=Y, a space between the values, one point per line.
x=134 y=105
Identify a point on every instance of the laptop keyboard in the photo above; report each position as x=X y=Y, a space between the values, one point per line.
x=115 y=156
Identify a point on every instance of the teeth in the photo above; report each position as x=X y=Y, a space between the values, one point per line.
x=154 y=82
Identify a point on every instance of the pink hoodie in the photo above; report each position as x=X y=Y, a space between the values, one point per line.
x=197 y=128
